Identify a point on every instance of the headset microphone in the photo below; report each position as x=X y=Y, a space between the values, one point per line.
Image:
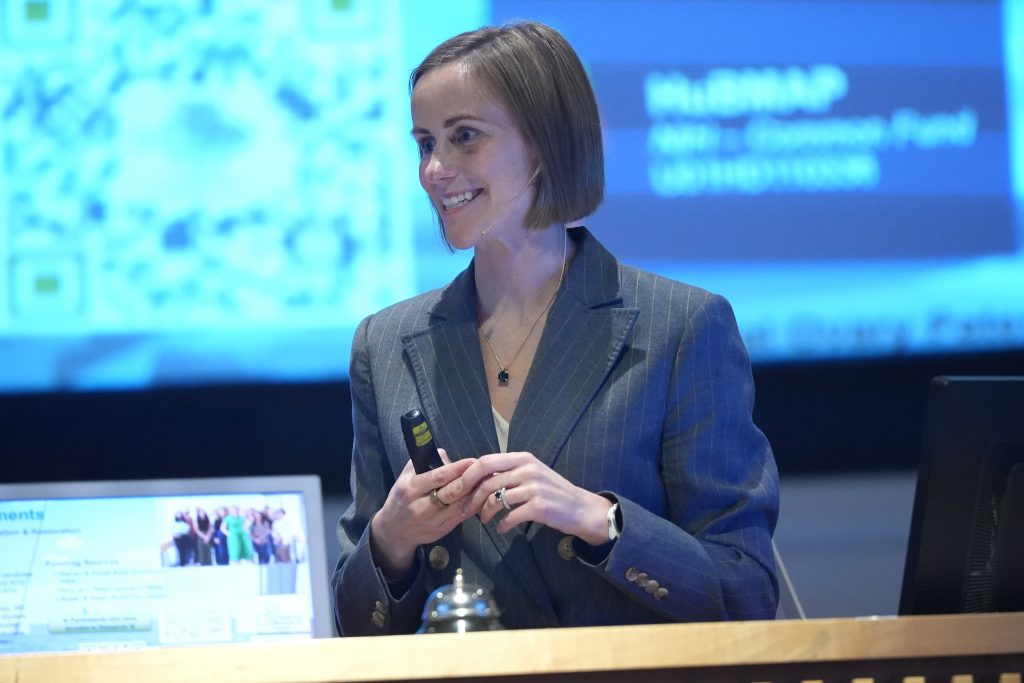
x=508 y=202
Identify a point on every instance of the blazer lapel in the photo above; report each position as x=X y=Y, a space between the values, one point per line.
x=449 y=376
x=585 y=335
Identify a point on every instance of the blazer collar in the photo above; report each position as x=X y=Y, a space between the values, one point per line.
x=592 y=278
x=584 y=336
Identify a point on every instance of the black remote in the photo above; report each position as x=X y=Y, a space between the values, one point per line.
x=420 y=442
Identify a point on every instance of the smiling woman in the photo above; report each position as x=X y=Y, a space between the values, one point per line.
x=535 y=79
x=474 y=165
x=601 y=463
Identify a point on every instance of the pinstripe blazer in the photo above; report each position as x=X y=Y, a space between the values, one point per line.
x=640 y=388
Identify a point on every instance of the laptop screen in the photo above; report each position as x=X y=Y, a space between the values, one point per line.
x=135 y=564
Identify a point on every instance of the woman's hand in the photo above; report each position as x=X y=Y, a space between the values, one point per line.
x=411 y=517
x=534 y=491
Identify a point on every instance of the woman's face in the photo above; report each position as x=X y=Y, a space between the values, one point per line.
x=474 y=162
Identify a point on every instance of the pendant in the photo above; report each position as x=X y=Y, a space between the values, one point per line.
x=503 y=377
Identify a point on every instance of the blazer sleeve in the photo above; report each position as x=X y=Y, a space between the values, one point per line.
x=363 y=600
x=710 y=556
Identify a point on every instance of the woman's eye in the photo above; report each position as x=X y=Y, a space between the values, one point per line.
x=426 y=146
x=465 y=135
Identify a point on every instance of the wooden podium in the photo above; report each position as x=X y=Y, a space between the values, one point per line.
x=956 y=649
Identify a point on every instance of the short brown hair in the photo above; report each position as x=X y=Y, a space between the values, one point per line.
x=537 y=76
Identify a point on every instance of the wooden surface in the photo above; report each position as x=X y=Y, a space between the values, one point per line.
x=736 y=651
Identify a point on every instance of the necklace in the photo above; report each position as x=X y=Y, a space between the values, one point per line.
x=503 y=375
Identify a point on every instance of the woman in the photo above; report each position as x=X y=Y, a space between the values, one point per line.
x=602 y=465
x=204 y=538
x=180 y=532
x=220 y=537
x=260 y=533
x=284 y=536
x=239 y=542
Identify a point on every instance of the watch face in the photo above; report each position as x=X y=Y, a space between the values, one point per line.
x=614 y=526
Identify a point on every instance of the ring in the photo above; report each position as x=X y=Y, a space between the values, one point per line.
x=499 y=496
x=436 y=500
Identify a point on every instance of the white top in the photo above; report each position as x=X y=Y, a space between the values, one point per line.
x=500 y=426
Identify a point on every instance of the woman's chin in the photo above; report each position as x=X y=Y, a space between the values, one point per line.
x=462 y=237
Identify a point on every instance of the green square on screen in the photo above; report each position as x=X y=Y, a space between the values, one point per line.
x=37 y=11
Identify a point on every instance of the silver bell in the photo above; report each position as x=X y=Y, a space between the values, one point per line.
x=460 y=608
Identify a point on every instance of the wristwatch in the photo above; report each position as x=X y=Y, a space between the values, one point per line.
x=614 y=522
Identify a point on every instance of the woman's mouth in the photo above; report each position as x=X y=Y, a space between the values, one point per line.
x=461 y=199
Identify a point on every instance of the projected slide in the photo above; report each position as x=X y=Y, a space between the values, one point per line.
x=198 y=169
x=127 y=573
x=844 y=140
x=220 y=191
x=842 y=171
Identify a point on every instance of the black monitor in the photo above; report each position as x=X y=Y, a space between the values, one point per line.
x=966 y=549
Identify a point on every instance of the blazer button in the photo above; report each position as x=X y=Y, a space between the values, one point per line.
x=631 y=574
x=378 y=616
x=565 y=548
x=661 y=594
x=652 y=587
x=439 y=557
x=641 y=579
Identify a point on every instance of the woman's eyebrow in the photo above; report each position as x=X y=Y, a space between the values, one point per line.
x=449 y=122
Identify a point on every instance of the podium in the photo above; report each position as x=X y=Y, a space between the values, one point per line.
x=954 y=648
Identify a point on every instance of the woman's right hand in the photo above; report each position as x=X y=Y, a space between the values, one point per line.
x=410 y=518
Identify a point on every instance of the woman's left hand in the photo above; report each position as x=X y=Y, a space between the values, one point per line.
x=535 y=493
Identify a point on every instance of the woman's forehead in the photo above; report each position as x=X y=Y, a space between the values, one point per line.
x=450 y=93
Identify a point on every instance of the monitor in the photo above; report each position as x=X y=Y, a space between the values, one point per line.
x=966 y=547
x=99 y=566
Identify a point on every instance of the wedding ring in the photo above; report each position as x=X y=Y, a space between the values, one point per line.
x=436 y=500
x=499 y=496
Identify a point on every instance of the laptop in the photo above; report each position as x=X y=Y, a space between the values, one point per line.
x=115 y=565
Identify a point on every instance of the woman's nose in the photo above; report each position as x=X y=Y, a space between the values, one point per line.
x=437 y=168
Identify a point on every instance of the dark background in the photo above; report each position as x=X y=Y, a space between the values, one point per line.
x=836 y=417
